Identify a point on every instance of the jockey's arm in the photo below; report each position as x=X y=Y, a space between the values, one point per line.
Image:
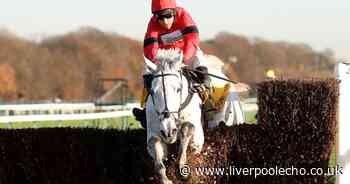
x=191 y=37
x=190 y=46
x=150 y=44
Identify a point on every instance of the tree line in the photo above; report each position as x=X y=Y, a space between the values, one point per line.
x=69 y=66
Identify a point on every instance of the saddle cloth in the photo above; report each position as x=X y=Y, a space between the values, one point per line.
x=214 y=102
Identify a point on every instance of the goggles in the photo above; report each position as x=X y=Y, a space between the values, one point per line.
x=165 y=14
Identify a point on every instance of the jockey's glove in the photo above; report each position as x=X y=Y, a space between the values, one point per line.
x=202 y=73
x=186 y=67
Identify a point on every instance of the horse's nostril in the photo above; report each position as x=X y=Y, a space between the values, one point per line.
x=166 y=114
x=163 y=133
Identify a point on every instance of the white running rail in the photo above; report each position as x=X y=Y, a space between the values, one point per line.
x=48 y=107
x=62 y=111
x=64 y=117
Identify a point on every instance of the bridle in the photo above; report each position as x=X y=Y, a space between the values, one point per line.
x=166 y=113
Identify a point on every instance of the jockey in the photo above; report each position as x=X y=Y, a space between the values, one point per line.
x=170 y=27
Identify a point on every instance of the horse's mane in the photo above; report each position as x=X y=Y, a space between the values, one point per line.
x=170 y=59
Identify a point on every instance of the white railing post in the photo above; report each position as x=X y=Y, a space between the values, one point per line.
x=343 y=147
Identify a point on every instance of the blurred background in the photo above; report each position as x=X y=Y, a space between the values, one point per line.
x=60 y=50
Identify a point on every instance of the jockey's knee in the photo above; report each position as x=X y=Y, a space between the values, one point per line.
x=202 y=72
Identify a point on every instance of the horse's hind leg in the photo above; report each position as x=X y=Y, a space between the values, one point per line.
x=186 y=133
x=157 y=152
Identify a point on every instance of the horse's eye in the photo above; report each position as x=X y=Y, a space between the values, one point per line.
x=178 y=90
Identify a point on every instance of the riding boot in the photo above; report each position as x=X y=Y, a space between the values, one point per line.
x=208 y=105
x=140 y=114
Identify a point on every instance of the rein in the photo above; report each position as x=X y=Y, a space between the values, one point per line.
x=209 y=74
x=166 y=113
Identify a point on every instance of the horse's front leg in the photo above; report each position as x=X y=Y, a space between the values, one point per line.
x=157 y=151
x=186 y=134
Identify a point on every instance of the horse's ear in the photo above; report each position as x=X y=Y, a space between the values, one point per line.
x=153 y=67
